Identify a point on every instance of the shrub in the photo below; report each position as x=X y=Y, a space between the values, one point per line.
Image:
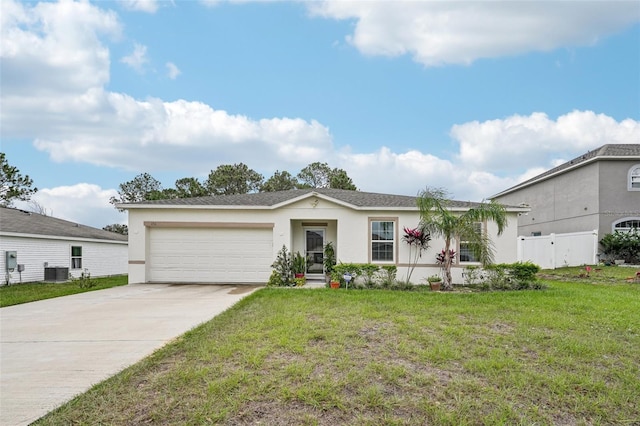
x=282 y=269
x=512 y=276
x=84 y=280
x=388 y=275
x=622 y=245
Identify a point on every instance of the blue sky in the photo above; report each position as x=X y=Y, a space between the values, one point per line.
x=470 y=96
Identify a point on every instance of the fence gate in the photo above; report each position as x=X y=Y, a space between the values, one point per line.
x=557 y=250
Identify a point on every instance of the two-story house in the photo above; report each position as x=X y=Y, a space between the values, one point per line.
x=599 y=190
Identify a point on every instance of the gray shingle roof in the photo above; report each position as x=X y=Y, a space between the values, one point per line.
x=22 y=222
x=609 y=150
x=269 y=199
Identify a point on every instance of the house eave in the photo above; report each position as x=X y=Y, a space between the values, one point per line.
x=60 y=238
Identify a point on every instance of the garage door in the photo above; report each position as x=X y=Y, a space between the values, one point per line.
x=204 y=255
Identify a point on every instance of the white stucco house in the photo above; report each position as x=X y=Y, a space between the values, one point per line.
x=34 y=247
x=235 y=238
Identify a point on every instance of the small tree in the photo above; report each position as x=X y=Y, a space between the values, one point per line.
x=13 y=186
x=437 y=218
x=190 y=187
x=280 y=181
x=416 y=239
x=315 y=175
x=282 y=268
x=118 y=228
x=233 y=179
x=141 y=188
x=340 y=180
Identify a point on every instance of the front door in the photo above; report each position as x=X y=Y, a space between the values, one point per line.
x=314 y=245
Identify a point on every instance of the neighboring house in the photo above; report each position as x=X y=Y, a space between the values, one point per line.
x=599 y=190
x=47 y=247
x=235 y=238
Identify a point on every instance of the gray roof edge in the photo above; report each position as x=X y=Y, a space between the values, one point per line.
x=61 y=237
x=17 y=221
x=600 y=154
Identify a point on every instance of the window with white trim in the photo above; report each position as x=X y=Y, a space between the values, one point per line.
x=634 y=178
x=76 y=257
x=626 y=225
x=466 y=251
x=383 y=240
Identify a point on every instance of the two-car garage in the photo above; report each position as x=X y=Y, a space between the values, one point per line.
x=209 y=253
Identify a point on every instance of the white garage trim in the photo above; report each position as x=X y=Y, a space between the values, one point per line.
x=210 y=254
x=243 y=225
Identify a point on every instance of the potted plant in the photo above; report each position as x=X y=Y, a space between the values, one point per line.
x=335 y=280
x=298 y=265
x=435 y=282
x=328 y=259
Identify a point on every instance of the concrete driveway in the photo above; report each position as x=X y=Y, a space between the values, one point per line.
x=54 y=349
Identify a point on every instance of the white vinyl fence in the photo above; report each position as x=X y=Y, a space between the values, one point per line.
x=557 y=250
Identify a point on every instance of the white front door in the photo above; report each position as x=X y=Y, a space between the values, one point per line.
x=314 y=246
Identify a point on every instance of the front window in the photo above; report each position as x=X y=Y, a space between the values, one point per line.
x=76 y=257
x=466 y=249
x=634 y=178
x=382 y=240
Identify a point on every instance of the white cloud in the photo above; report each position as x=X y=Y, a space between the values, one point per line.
x=508 y=145
x=79 y=120
x=137 y=59
x=82 y=203
x=172 y=70
x=149 y=6
x=54 y=47
x=456 y=32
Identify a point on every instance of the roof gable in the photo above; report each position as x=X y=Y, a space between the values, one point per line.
x=23 y=222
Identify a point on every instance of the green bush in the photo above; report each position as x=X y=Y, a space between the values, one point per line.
x=282 y=274
x=622 y=245
x=512 y=276
x=369 y=275
x=84 y=281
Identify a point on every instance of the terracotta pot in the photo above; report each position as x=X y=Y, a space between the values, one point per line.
x=334 y=284
x=435 y=286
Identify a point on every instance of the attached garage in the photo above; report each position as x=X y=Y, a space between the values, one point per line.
x=210 y=254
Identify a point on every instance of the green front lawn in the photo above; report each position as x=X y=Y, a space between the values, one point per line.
x=569 y=354
x=15 y=294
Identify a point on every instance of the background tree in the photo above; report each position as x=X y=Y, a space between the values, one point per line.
x=142 y=187
x=340 y=180
x=437 y=219
x=230 y=179
x=315 y=175
x=320 y=175
x=36 y=207
x=280 y=181
x=13 y=186
x=189 y=187
x=118 y=228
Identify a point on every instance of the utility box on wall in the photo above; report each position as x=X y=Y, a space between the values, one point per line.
x=11 y=260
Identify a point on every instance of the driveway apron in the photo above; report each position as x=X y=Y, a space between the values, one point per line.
x=55 y=349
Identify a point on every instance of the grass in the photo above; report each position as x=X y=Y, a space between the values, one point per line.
x=16 y=294
x=598 y=274
x=567 y=355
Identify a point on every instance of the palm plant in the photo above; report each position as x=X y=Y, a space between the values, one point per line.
x=438 y=219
